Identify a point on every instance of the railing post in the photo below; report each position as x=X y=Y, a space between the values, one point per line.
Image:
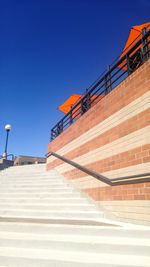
x=129 y=71
x=86 y=103
x=52 y=135
x=82 y=107
x=108 y=83
x=60 y=127
x=88 y=99
x=145 y=54
x=71 y=118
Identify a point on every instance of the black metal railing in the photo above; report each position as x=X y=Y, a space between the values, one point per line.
x=132 y=59
x=11 y=156
x=132 y=179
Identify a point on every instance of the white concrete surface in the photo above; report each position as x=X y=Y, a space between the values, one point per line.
x=53 y=226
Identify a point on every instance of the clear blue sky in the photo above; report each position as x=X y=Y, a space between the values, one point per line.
x=49 y=50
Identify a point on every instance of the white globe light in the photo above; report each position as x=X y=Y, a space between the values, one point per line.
x=7 y=127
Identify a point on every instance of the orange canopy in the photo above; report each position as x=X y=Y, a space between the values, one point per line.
x=135 y=32
x=72 y=100
x=66 y=106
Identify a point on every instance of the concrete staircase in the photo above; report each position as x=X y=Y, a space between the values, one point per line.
x=45 y=222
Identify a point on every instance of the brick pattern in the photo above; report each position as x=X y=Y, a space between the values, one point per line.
x=132 y=157
x=122 y=192
x=121 y=145
x=131 y=89
x=126 y=113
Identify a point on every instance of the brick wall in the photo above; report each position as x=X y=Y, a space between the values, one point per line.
x=112 y=138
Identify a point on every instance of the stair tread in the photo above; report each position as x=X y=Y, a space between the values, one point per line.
x=35 y=230
x=84 y=257
x=77 y=238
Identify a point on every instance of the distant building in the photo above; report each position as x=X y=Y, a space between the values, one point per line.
x=25 y=160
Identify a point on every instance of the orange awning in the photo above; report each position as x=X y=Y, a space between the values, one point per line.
x=70 y=102
x=135 y=32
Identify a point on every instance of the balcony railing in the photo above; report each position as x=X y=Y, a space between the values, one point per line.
x=121 y=68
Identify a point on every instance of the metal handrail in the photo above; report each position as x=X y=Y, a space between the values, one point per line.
x=81 y=168
x=112 y=182
x=116 y=73
x=9 y=155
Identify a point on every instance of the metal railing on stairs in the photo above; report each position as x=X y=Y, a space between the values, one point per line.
x=11 y=156
x=6 y=161
x=133 y=179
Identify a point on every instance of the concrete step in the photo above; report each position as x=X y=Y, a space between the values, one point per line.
x=73 y=229
x=40 y=195
x=19 y=172
x=47 y=257
x=30 y=177
x=28 y=173
x=44 y=222
x=84 y=243
x=24 y=172
x=27 y=168
x=45 y=200
x=31 y=180
x=34 y=185
x=48 y=206
x=51 y=214
x=37 y=190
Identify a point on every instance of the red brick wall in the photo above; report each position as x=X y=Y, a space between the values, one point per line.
x=139 y=191
x=112 y=138
x=129 y=90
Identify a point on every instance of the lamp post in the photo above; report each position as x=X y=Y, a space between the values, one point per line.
x=7 y=128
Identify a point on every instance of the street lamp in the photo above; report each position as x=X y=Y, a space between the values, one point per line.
x=7 y=128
